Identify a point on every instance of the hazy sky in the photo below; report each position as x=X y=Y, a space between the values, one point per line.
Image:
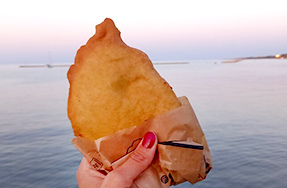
x=51 y=31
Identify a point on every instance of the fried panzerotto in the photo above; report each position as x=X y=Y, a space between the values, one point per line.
x=114 y=86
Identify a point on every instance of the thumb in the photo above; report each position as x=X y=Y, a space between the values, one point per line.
x=139 y=160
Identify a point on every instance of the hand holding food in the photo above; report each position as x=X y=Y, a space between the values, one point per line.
x=115 y=97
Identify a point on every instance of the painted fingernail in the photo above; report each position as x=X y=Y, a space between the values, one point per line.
x=149 y=140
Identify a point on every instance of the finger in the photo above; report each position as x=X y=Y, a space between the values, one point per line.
x=139 y=160
x=88 y=176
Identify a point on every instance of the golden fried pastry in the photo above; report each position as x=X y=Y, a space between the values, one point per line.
x=114 y=86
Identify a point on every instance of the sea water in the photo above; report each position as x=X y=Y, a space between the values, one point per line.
x=242 y=109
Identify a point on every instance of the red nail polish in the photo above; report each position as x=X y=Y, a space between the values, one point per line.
x=149 y=140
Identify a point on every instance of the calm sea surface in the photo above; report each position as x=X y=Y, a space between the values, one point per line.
x=242 y=108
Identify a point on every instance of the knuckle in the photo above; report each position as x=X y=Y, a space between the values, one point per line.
x=139 y=156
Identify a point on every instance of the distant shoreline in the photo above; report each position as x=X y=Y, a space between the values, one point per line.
x=170 y=63
x=68 y=65
x=43 y=66
x=235 y=60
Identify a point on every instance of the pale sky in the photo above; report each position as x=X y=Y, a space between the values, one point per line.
x=51 y=31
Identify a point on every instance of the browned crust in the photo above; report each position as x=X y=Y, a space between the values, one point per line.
x=113 y=85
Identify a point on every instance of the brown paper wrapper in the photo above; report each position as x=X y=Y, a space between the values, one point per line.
x=183 y=153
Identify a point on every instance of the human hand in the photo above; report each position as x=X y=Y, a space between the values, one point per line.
x=124 y=176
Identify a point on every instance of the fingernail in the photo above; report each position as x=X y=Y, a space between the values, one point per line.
x=149 y=140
